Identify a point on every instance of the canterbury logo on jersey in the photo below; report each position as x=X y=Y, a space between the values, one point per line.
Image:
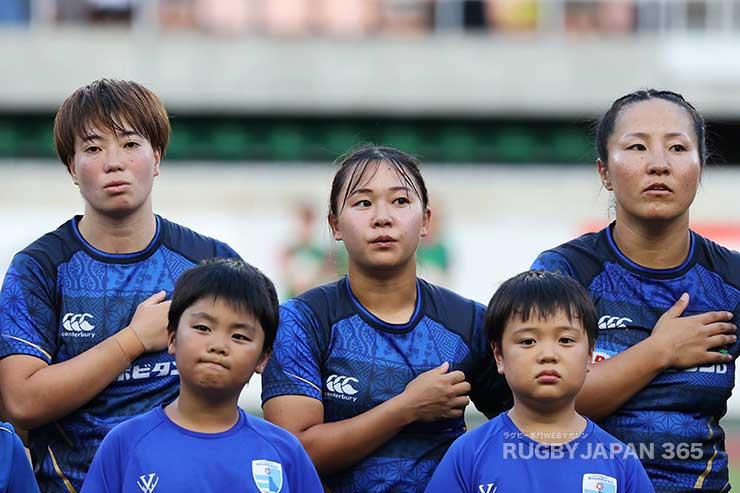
x=487 y=488
x=609 y=322
x=341 y=387
x=77 y=325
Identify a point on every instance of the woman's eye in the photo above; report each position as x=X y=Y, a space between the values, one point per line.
x=362 y=203
x=637 y=147
x=678 y=148
x=402 y=201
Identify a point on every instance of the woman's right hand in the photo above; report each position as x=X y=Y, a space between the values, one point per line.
x=686 y=342
x=437 y=394
x=149 y=322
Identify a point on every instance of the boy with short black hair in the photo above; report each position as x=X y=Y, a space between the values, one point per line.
x=222 y=324
x=541 y=327
x=83 y=316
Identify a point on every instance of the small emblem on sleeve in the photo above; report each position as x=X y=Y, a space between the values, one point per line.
x=599 y=483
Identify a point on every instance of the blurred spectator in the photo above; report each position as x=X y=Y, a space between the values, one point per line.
x=617 y=16
x=71 y=11
x=176 y=14
x=347 y=18
x=512 y=15
x=473 y=14
x=433 y=255
x=407 y=16
x=305 y=262
x=581 y=16
x=116 y=11
x=225 y=17
x=286 y=17
x=613 y=16
x=15 y=11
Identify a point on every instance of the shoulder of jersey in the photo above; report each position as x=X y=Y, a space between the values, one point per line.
x=54 y=247
x=720 y=259
x=187 y=242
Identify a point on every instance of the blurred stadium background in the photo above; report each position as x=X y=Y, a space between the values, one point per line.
x=496 y=96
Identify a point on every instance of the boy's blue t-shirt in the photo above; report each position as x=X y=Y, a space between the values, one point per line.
x=16 y=475
x=152 y=454
x=498 y=458
x=674 y=421
x=330 y=348
x=61 y=297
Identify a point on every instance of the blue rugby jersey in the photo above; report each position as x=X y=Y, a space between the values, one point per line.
x=61 y=297
x=16 y=475
x=331 y=348
x=497 y=457
x=152 y=454
x=674 y=421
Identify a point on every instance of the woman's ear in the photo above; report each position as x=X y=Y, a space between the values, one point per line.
x=604 y=174
x=426 y=222
x=334 y=226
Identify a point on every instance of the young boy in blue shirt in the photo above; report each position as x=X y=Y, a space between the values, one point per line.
x=222 y=325
x=16 y=475
x=541 y=327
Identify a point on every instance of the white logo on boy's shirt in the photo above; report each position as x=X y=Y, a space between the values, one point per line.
x=147 y=482
x=487 y=488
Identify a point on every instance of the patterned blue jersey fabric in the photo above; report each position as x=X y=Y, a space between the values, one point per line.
x=329 y=347
x=60 y=298
x=152 y=454
x=497 y=457
x=674 y=421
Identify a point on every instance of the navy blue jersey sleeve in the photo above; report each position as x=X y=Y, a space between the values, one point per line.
x=106 y=471
x=488 y=389
x=294 y=367
x=28 y=315
x=16 y=475
x=455 y=470
x=225 y=251
x=553 y=262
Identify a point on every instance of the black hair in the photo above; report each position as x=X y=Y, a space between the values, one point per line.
x=355 y=166
x=233 y=281
x=605 y=126
x=539 y=293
